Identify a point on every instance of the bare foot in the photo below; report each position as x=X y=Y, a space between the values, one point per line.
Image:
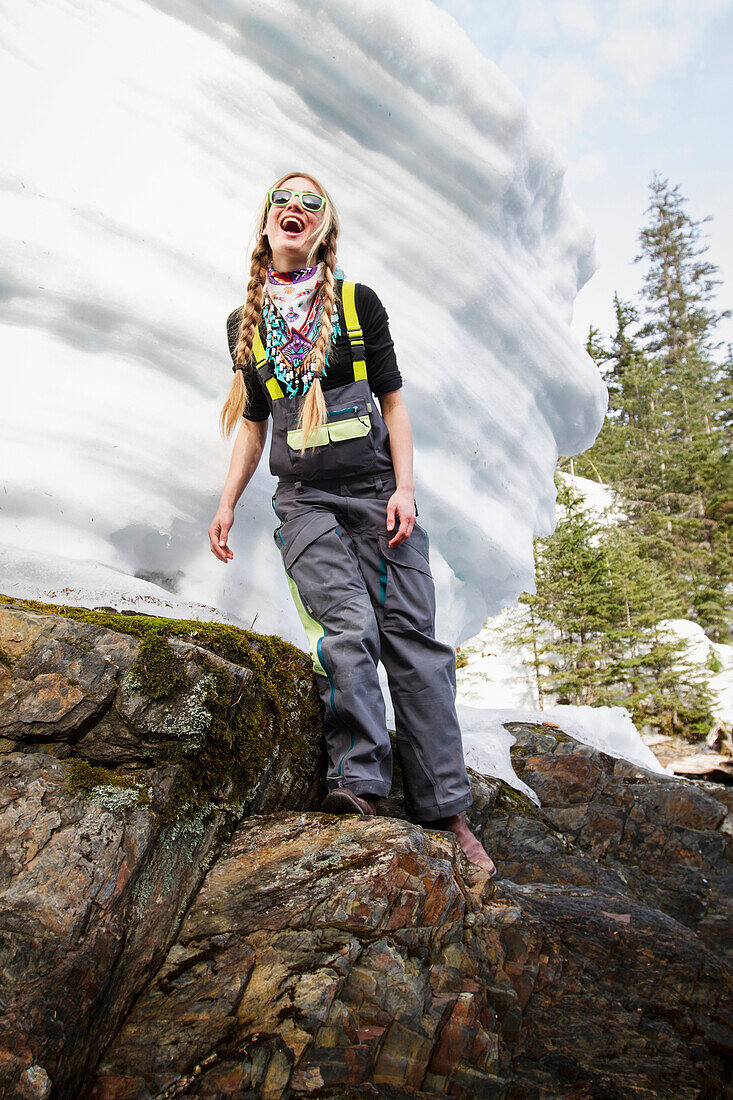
x=472 y=848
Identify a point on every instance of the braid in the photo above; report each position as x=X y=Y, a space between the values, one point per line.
x=313 y=412
x=328 y=297
x=236 y=402
x=254 y=301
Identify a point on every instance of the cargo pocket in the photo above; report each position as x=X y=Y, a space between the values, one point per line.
x=295 y=535
x=351 y=422
x=406 y=588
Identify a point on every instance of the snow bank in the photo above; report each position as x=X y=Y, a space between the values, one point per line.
x=705 y=653
x=597 y=498
x=141 y=139
x=90 y=584
x=486 y=742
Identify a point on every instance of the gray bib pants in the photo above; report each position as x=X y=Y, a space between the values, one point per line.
x=361 y=600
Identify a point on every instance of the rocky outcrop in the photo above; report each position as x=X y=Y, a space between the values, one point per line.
x=611 y=827
x=168 y=930
x=127 y=760
x=323 y=954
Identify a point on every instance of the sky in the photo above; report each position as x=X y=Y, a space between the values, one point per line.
x=624 y=88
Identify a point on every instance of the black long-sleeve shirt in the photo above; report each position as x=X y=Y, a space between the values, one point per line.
x=381 y=362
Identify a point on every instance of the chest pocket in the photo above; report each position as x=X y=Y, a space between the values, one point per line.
x=351 y=422
x=353 y=440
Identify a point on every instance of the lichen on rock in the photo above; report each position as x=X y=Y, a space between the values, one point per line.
x=108 y=788
x=191 y=722
x=224 y=705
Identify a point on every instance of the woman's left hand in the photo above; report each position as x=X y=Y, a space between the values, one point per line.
x=402 y=502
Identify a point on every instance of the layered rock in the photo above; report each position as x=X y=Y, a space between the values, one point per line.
x=126 y=762
x=165 y=939
x=321 y=955
x=614 y=828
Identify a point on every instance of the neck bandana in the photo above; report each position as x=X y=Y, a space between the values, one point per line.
x=292 y=311
x=294 y=294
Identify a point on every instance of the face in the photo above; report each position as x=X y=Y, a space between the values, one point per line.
x=290 y=229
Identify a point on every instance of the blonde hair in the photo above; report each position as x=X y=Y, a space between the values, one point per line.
x=313 y=410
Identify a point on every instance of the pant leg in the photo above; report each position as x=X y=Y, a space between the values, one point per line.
x=334 y=605
x=420 y=670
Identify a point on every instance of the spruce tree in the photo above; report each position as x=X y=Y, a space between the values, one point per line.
x=628 y=451
x=680 y=339
x=666 y=443
x=594 y=625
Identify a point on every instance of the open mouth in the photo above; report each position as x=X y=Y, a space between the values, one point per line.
x=292 y=224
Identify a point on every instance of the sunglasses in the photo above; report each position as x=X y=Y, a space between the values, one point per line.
x=281 y=196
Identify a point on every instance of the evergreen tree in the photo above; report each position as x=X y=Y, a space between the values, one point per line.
x=666 y=443
x=652 y=673
x=627 y=451
x=679 y=287
x=678 y=291
x=593 y=626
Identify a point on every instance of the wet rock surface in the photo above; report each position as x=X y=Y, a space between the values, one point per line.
x=252 y=946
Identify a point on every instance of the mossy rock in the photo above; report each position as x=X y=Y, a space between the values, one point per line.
x=533 y=739
x=89 y=778
x=271 y=717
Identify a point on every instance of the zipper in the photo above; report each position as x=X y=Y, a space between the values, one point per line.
x=337 y=412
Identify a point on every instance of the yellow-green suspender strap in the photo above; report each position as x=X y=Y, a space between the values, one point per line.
x=353 y=330
x=258 y=350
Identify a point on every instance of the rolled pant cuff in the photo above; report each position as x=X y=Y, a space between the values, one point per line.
x=428 y=814
x=377 y=787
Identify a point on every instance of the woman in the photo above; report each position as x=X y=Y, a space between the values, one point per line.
x=311 y=350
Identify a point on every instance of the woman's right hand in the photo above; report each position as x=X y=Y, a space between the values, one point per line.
x=218 y=533
x=245 y=456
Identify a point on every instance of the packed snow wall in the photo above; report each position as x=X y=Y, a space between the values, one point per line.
x=141 y=138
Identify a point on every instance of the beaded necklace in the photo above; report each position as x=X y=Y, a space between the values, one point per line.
x=289 y=350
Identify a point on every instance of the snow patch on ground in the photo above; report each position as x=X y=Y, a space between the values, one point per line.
x=597 y=498
x=494 y=674
x=92 y=584
x=701 y=652
x=486 y=742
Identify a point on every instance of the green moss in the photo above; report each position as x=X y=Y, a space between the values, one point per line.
x=224 y=757
x=4 y=658
x=86 y=777
x=271 y=718
x=157 y=672
x=274 y=661
x=510 y=800
x=234 y=752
